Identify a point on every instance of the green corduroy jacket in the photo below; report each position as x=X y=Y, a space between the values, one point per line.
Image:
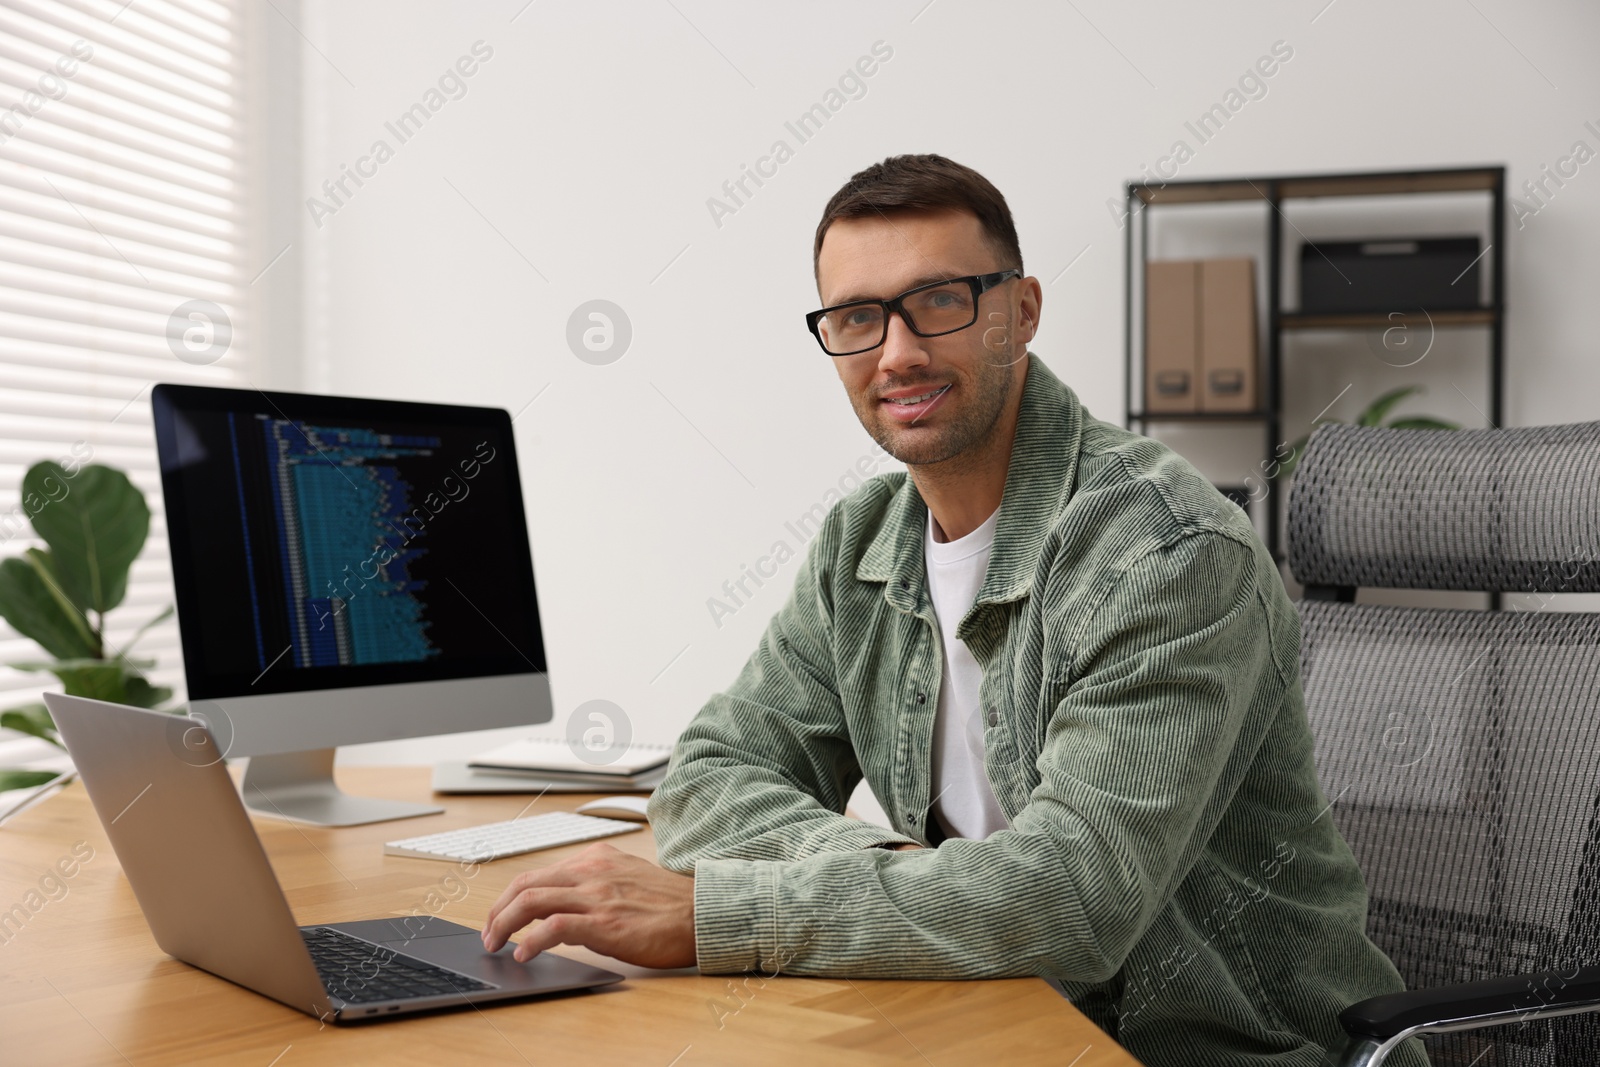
x=1171 y=859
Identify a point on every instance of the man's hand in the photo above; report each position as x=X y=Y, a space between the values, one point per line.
x=604 y=899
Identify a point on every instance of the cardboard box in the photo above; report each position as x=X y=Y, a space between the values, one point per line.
x=1171 y=342
x=1226 y=307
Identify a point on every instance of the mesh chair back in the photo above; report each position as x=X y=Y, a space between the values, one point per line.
x=1487 y=510
x=1461 y=748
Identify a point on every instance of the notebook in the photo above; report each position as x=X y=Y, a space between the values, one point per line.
x=454 y=776
x=552 y=757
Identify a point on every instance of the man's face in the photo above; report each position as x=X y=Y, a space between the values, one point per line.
x=928 y=399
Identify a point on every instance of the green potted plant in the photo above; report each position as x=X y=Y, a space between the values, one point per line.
x=94 y=522
x=1372 y=416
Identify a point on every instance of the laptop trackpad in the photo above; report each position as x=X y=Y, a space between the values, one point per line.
x=460 y=948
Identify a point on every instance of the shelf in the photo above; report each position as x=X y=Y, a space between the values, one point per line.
x=1196 y=416
x=1201 y=192
x=1280 y=193
x=1443 y=181
x=1297 y=187
x=1363 y=320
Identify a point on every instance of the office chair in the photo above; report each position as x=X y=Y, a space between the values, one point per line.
x=1461 y=748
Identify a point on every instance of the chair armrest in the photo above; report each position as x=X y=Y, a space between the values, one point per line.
x=1494 y=1000
x=1378 y=1024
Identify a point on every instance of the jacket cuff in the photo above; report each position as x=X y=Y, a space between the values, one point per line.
x=736 y=912
x=735 y=915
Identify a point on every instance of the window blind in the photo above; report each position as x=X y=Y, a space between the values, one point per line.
x=122 y=245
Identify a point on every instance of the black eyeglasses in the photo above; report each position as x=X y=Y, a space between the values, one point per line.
x=928 y=310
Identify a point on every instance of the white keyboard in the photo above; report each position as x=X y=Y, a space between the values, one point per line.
x=496 y=840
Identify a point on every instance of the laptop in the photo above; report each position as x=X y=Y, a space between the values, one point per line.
x=202 y=879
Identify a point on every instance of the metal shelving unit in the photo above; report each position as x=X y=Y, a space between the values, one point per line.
x=1273 y=191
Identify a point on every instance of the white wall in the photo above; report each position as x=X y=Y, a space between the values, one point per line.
x=579 y=163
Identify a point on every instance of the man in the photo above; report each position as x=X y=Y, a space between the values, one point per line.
x=1066 y=666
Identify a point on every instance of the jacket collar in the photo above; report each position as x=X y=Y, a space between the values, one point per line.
x=1039 y=481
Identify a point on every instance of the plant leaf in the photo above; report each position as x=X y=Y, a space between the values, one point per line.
x=26 y=779
x=1380 y=407
x=33 y=720
x=106 y=680
x=138 y=691
x=45 y=564
x=95 y=522
x=98 y=679
x=53 y=665
x=1423 y=422
x=116 y=680
x=34 y=611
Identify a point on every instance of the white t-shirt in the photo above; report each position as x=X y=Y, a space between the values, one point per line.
x=965 y=804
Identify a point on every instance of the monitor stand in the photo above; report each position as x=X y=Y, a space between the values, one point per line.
x=299 y=786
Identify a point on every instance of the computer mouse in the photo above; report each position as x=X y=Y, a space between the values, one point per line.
x=630 y=808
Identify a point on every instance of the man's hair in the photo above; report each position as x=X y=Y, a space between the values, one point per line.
x=924 y=183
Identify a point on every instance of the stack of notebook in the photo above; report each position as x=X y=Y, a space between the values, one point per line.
x=549 y=764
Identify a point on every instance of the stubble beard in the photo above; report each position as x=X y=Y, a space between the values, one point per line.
x=983 y=402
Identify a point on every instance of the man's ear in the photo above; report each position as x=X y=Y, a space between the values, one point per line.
x=1025 y=324
x=1028 y=309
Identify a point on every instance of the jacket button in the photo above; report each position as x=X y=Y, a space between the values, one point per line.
x=994 y=717
x=912 y=819
x=922 y=698
x=904 y=584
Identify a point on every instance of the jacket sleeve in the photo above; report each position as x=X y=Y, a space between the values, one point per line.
x=1174 y=679
x=765 y=769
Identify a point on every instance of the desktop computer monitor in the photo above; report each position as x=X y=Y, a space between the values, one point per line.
x=346 y=570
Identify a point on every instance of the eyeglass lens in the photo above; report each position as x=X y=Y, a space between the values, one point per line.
x=942 y=309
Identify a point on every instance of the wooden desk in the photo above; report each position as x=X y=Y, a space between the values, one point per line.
x=83 y=982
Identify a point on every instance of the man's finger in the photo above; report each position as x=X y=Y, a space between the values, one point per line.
x=538 y=902
x=557 y=874
x=563 y=929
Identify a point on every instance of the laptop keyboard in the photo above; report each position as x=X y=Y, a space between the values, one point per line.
x=361 y=972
